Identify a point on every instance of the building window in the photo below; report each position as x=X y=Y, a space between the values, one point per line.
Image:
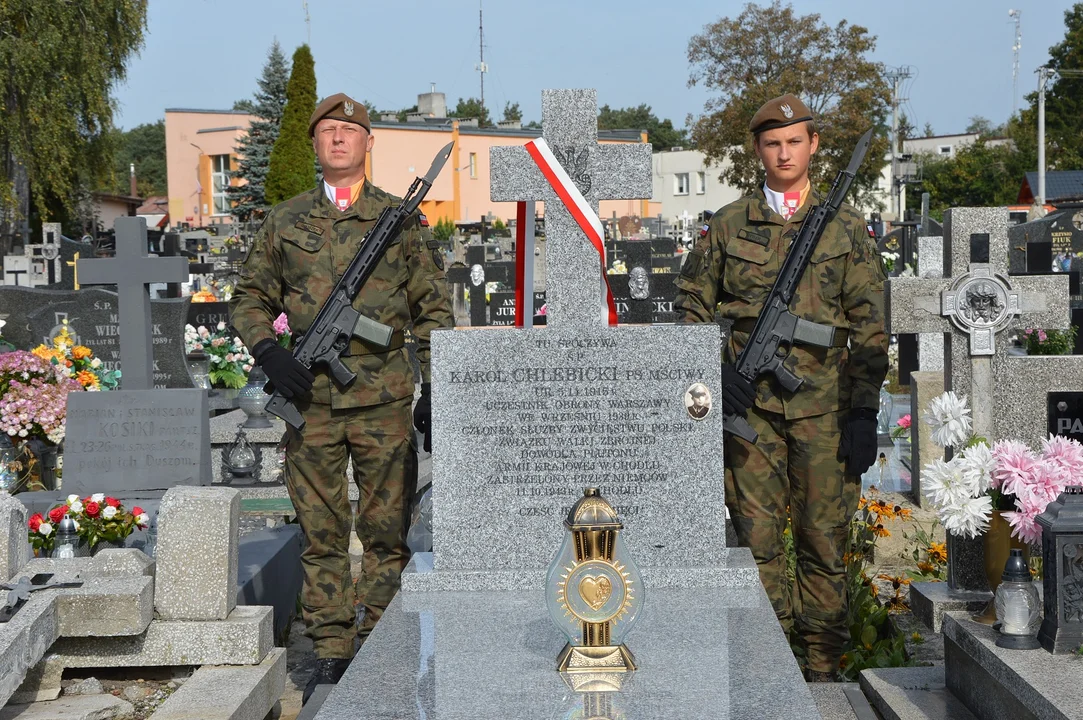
x=701 y=183
x=680 y=184
x=944 y=149
x=473 y=165
x=219 y=184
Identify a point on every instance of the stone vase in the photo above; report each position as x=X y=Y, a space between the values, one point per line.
x=47 y=456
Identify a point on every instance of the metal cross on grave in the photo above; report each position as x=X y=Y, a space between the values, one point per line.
x=974 y=304
x=601 y=172
x=475 y=275
x=131 y=270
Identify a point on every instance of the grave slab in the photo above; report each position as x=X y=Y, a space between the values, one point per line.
x=930 y=600
x=14 y=545
x=229 y=692
x=269 y=572
x=492 y=655
x=1003 y=684
x=24 y=640
x=924 y=386
x=106 y=607
x=912 y=693
x=196 y=554
x=832 y=701
x=110 y=563
x=75 y=707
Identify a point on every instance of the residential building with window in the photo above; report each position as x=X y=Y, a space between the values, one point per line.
x=200 y=160
x=684 y=184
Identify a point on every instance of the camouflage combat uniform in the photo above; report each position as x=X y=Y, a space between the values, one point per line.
x=304 y=246
x=795 y=463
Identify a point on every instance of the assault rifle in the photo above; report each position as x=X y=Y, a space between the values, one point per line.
x=338 y=321
x=777 y=328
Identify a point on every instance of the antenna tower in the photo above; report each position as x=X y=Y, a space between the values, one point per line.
x=1016 y=16
x=481 y=67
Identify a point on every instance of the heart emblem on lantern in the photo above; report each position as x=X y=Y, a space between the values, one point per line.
x=595 y=591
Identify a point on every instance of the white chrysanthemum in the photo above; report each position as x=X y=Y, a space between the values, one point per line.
x=969 y=518
x=949 y=417
x=109 y=512
x=977 y=467
x=943 y=483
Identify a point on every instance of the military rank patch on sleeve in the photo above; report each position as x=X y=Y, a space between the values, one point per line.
x=438 y=258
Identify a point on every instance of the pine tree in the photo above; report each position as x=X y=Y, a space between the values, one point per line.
x=292 y=169
x=255 y=147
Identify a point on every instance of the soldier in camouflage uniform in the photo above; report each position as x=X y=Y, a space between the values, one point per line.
x=814 y=443
x=303 y=248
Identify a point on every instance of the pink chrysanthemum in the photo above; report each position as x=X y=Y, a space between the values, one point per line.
x=1015 y=466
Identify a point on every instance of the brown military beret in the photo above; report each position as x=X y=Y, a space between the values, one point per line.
x=780 y=112
x=340 y=106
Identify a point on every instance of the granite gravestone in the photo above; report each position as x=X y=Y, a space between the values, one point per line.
x=35 y=316
x=930 y=264
x=475 y=275
x=208 y=314
x=1066 y=414
x=523 y=422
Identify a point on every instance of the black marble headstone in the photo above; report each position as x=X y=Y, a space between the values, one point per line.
x=1065 y=414
x=979 y=248
x=35 y=316
x=502 y=308
x=208 y=314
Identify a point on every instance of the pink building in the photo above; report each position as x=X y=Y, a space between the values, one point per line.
x=200 y=152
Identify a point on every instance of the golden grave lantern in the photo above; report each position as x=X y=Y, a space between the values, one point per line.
x=593 y=590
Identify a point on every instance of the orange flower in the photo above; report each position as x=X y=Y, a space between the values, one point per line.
x=903 y=513
x=938 y=553
x=897 y=581
x=927 y=568
x=879 y=530
x=861 y=503
x=81 y=352
x=87 y=379
x=881 y=508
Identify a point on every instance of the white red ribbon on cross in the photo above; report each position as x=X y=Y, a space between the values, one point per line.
x=580 y=210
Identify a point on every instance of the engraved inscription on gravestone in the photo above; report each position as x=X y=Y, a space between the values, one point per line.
x=136 y=440
x=1066 y=414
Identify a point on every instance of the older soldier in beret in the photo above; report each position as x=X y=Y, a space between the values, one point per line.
x=814 y=443
x=304 y=245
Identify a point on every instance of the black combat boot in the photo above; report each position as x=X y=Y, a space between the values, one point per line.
x=328 y=672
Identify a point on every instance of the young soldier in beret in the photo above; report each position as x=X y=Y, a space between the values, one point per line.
x=304 y=246
x=816 y=442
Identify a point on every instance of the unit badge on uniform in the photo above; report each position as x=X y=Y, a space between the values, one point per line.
x=786 y=110
x=347 y=108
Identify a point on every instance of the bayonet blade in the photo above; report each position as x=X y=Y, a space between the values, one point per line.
x=859 y=152
x=438 y=163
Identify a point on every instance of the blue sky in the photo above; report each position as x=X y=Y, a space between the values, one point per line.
x=208 y=53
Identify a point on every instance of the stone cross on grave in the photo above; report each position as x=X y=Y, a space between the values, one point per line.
x=600 y=172
x=131 y=270
x=475 y=275
x=974 y=304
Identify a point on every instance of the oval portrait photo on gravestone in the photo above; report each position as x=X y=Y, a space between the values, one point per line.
x=697 y=400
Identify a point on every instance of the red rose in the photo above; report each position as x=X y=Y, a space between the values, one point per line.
x=112 y=501
x=137 y=511
x=57 y=514
x=35 y=521
x=92 y=508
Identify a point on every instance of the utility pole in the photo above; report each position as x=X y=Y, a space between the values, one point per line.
x=481 y=67
x=1016 y=16
x=308 y=23
x=895 y=76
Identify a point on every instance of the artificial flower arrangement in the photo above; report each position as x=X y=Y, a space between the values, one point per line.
x=203 y=296
x=230 y=361
x=78 y=362
x=1049 y=342
x=902 y=428
x=1009 y=476
x=96 y=517
x=282 y=330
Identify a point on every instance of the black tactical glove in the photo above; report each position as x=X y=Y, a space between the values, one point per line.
x=423 y=415
x=738 y=395
x=859 y=444
x=285 y=374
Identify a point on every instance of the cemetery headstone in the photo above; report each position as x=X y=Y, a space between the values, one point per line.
x=208 y=314
x=1066 y=414
x=475 y=274
x=131 y=271
x=930 y=265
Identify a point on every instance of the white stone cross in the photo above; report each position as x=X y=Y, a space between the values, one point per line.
x=601 y=172
x=974 y=303
x=131 y=271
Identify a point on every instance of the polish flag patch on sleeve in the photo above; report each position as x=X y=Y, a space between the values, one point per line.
x=424 y=221
x=704 y=230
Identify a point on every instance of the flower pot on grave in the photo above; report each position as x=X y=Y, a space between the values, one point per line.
x=997 y=543
x=43 y=476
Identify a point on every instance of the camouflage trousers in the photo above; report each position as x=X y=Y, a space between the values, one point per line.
x=795 y=464
x=380 y=442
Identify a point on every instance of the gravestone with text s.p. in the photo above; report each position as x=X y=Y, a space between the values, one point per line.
x=523 y=422
x=136 y=438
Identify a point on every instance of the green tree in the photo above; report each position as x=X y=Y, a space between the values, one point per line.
x=661 y=133
x=246 y=105
x=984 y=126
x=472 y=108
x=254 y=149
x=61 y=61
x=767 y=51
x=928 y=131
x=978 y=175
x=512 y=113
x=906 y=130
x=143 y=145
x=1063 y=101
x=292 y=168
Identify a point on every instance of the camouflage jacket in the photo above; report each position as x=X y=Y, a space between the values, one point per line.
x=734 y=266
x=303 y=248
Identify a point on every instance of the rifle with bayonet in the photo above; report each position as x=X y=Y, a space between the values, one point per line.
x=777 y=328
x=337 y=321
